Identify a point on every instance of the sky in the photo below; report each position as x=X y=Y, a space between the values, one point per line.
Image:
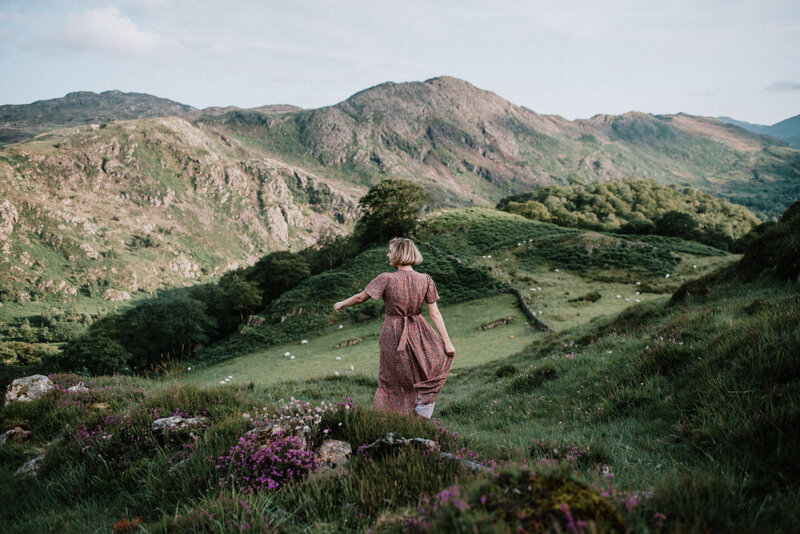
x=737 y=58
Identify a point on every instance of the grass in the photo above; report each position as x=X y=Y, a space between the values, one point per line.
x=676 y=416
x=692 y=414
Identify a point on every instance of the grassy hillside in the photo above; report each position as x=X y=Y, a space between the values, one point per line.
x=472 y=253
x=679 y=417
x=82 y=108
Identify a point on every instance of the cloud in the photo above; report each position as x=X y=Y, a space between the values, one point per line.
x=109 y=30
x=781 y=87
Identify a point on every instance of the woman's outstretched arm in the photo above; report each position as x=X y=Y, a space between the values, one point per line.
x=358 y=298
x=438 y=322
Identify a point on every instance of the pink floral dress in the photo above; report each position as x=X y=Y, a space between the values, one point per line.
x=413 y=365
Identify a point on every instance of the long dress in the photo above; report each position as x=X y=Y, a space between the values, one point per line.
x=413 y=364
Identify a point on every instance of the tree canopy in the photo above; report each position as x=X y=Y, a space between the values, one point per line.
x=391 y=209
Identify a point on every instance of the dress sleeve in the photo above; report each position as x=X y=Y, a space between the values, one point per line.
x=375 y=288
x=431 y=295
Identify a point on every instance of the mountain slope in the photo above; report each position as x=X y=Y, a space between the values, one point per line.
x=152 y=203
x=147 y=204
x=788 y=130
x=19 y=122
x=467 y=145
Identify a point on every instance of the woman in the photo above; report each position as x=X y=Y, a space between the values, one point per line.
x=415 y=360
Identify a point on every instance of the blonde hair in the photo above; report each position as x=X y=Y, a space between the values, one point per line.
x=403 y=251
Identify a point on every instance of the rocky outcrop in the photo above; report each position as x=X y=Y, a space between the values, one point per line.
x=80 y=387
x=28 y=389
x=15 y=435
x=392 y=441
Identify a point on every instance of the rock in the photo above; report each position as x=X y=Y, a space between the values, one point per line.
x=78 y=388
x=255 y=320
x=115 y=295
x=16 y=434
x=32 y=467
x=28 y=388
x=469 y=464
x=285 y=428
x=99 y=406
x=333 y=453
x=177 y=424
x=392 y=440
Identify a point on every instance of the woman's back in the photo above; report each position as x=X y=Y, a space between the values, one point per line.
x=403 y=291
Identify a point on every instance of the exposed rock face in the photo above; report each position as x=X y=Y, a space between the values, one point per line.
x=28 y=388
x=333 y=453
x=32 y=467
x=16 y=435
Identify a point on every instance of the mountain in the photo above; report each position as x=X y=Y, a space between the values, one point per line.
x=141 y=205
x=115 y=206
x=467 y=145
x=787 y=130
x=19 y=122
x=82 y=108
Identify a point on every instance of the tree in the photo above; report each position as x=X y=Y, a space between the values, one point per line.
x=94 y=353
x=156 y=330
x=240 y=295
x=390 y=209
x=278 y=272
x=677 y=224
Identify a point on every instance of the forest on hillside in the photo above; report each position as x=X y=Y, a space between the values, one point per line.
x=637 y=207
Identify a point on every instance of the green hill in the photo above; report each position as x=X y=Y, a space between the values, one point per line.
x=82 y=108
x=675 y=417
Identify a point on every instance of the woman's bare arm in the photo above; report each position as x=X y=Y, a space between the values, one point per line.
x=438 y=322
x=358 y=298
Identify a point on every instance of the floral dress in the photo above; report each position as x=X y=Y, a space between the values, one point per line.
x=413 y=364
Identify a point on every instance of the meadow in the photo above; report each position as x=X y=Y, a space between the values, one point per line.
x=676 y=413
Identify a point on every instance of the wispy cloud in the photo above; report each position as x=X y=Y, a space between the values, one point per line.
x=781 y=87
x=109 y=30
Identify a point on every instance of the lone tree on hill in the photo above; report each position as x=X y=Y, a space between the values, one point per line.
x=390 y=209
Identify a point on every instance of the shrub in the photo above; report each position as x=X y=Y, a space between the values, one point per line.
x=253 y=466
x=96 y=354
x=278 y=272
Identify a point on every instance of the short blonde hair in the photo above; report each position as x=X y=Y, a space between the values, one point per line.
x=403 y=251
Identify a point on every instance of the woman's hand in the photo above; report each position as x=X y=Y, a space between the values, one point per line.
x=338 y=306
x=449 y=349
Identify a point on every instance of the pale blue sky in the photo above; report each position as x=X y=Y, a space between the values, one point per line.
x=566 y=57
